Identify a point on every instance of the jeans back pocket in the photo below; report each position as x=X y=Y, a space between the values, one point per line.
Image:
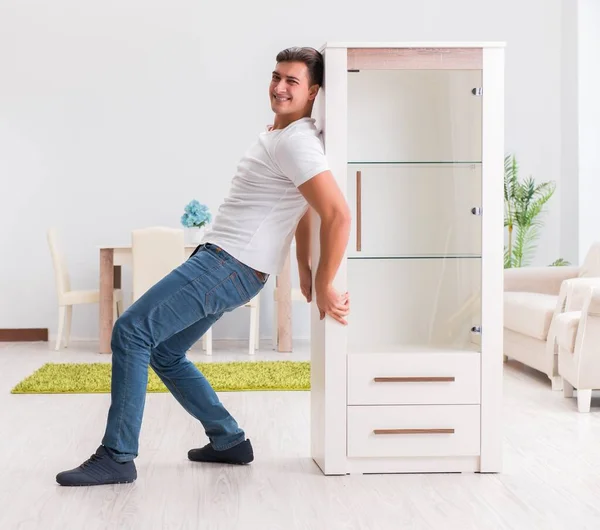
x=227 y=295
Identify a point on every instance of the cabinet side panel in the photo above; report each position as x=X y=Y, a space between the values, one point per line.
x=317 y=329
x=328 y=338
x=492 y=261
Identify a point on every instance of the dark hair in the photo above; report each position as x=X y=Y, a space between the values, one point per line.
x=309 y=56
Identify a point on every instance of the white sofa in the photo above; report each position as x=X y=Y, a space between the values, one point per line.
x=578 y=341
x=533 y=298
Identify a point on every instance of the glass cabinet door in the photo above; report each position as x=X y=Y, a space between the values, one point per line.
x=415 y=209
x=414 y=185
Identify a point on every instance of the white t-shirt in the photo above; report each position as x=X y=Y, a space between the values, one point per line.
x=257 y=221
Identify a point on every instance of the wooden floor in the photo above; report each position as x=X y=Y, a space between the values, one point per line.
x=551 y=478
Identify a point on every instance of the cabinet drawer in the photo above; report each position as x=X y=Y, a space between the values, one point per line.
x=414 y=431
x=414 y=378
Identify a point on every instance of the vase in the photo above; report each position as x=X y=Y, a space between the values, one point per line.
x=195 y=234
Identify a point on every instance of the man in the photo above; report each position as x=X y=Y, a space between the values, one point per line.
x=280 y=178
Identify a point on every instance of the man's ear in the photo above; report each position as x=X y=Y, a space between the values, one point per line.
x=313 y=91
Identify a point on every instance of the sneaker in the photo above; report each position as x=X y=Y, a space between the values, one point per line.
x=99 y=469
x=238 y=454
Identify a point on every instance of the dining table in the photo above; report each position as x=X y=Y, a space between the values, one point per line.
x=113 y=258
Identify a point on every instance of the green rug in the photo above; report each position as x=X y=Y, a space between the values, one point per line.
x=75 y=378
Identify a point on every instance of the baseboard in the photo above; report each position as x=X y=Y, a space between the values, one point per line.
x=24 y=335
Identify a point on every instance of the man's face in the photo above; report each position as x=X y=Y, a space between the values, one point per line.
x=290 y=91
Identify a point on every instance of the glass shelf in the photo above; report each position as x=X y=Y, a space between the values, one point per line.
x=414 y=256
x=408 y=163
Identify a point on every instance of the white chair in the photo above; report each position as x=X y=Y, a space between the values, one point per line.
x=254 y=342
x=67 y=298
x=155 y=252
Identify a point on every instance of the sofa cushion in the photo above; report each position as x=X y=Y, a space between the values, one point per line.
x=529 y=313
x=566 y=325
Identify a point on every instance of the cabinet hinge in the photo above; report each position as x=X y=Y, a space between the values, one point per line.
x=476 y=329
x=477 y=91
x=476 y=210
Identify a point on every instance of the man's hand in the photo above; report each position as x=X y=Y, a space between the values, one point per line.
x=306 y=282
x=325 y=197
x=332 y=303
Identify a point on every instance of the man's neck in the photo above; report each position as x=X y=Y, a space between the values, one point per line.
x=281 y=122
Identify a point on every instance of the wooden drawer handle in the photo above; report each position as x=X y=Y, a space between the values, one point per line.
x=413 y=431
x=414 y=379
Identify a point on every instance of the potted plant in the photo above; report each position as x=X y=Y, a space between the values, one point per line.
x=195 y=218
x=524 y=201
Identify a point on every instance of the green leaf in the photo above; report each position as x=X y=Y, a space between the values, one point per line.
x=524 y=203
x=560 y=262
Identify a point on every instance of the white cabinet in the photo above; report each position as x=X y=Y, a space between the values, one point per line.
x=414 y=136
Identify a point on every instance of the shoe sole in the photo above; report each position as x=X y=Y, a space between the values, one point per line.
x=96 y=483
x=219 y=462
x=232 y=462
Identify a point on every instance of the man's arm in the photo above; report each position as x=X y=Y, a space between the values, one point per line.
x=303 y=241
x=303 y=255
x=324 y=196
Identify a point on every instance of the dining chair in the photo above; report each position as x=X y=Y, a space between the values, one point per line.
x=67 y=297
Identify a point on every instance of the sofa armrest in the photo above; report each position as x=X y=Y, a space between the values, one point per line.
x=544 y=280
x=576 y=291
x=593 y=307
x=587 y=340
x=575 y=295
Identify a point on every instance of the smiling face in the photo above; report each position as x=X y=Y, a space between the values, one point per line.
x=291 y=91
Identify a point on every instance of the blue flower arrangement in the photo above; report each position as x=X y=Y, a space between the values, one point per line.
x=196 y=215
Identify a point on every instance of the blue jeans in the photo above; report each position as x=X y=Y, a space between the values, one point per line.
x=158 y=330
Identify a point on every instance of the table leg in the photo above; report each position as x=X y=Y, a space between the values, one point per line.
x=117 y=276
x=284 y=308
x=107 y=281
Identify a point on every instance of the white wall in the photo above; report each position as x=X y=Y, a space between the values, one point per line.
x=569 y=192
x=589 y=124
x=580 y=116
x=114 y=114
